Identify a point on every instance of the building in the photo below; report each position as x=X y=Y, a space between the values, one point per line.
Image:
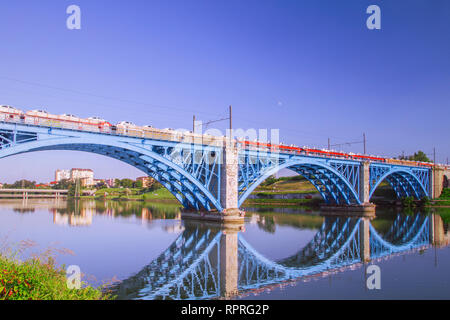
x=86 y=176
x=147 y=182
x=110 y=183
x=98 y=181
x=1 y=185
x=62 y=175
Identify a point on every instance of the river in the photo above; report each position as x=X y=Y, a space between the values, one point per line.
x=145 y=251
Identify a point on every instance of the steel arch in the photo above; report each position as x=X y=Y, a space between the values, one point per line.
x=182 y=184
x=315 y=167
x=397 y=173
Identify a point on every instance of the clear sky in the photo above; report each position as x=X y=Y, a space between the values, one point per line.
x=309 y=68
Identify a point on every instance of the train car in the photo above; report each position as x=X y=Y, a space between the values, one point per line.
x=11 y=114
x=426 y=164
x=97 y=124
x=368 y=158
x=42 y=118
x=129 y=129
x=69 y=121
x=151 y=133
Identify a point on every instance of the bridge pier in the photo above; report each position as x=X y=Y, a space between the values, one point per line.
x=364 y=186
x=229 y=181
x=229 y=195
x=437 y=182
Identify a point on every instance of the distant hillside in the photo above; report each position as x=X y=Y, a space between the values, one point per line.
x=287 y=184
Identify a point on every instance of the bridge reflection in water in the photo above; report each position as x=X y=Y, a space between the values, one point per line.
x=209 y=261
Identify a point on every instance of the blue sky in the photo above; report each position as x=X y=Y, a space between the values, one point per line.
x=309 y=68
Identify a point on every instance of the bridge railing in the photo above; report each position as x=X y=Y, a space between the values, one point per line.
x=147 y=133
x=190 y=138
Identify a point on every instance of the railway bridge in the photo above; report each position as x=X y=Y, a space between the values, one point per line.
x=218 y=177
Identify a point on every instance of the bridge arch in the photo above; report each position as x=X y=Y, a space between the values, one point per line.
x=404 y=183
x=446 y=181
x=331 y=184
x=186 y=188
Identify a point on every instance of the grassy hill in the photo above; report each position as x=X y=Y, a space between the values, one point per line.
x=296 y=184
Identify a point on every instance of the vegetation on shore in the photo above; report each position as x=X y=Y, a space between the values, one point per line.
x=40 y=279
x=134 y=194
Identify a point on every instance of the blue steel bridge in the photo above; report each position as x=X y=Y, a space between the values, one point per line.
x=207 y=263
x=217 y=176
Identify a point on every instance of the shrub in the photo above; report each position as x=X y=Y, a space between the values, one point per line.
x=408 y=202
x=35 y=280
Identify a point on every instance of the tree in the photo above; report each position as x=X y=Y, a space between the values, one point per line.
x=270 y=180
x=62 y=185
x=418 y=156
x=155 y=186
x=126 y=183
x=101 y=185
x=71 y=190
x=138 y=184
x=21 y=184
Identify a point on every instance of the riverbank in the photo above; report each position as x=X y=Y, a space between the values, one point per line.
x=121 y=194
x=37 y=280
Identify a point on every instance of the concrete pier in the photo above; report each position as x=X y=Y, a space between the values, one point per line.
x=229 y=181
x=439 y=180
x=228 y=192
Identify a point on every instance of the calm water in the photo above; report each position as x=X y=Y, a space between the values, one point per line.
x=279 y=253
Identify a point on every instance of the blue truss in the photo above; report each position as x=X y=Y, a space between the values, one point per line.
x=406 y=181
x=191 y=173
x=336 y=180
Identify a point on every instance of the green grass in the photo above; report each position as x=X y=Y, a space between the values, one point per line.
x=114 y=192
x=36 y=280
x=445 y=194
x=442 y=203
x=160 y=194
x=135 y=194
x=287 y=184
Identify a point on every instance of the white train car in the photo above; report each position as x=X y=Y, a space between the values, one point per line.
x=129 y=129
x=11 y=114
x=69 y=121
x=97 y=124
x=42 y=118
